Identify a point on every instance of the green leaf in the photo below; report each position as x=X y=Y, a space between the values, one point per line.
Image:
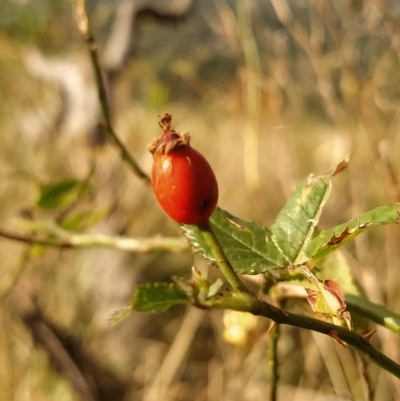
x=59 y=194
x=330 y=240
x=335 y=267
x=73 y=221
x=296 y=221
x=376 y=312
x=84 y=219
x=247 y=245
x=326 y=299
x=158 y=297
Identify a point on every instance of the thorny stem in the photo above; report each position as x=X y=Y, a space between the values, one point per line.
x=273 y=361
x=341 y=334
x=245 y=302
x=221 y=259
x=83 y=24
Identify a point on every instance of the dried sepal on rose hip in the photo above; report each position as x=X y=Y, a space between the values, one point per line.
x=182 y=179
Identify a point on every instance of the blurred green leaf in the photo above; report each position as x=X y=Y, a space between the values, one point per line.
x=158 y=297
x=335 y=267
x=296 y=221
x=330 y=240
x=157 y=95
x=59 y=194
x=74 y=221
x=80 y=220
x=247 y=245
x=37 y=251
x=376 y=312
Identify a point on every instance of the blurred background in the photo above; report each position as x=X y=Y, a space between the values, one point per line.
x=270 y=92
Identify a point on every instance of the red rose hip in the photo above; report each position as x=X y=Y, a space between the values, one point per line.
x=182 y=180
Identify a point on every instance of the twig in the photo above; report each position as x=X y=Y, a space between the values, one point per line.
x=367 y=379
x=83 y=24
x=273 y=361
x=248 y=303
x=135 y=245
x=362 y=306
x=341 y=334
x=245 y=301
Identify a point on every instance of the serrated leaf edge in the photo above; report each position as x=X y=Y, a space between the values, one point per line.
x=301 y=256
x=266 y=237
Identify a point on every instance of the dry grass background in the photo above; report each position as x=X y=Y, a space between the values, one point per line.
x=270 y=91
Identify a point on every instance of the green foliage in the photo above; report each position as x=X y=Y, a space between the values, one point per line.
x=157 y=297
x=78 y=220
x=296 y=221
x=33 y=21
x=326 y=299
x=58 y=195
x=362 y=97
x=377 y=313
x=335 y=267
x=288 y=251
x=330 y=240
x=247 y=245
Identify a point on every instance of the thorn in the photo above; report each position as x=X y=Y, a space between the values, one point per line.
x=347 y=318
x=271 y=326
x=340 y=166
x=334 y=335
x=196 y=272
x=366 y=337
